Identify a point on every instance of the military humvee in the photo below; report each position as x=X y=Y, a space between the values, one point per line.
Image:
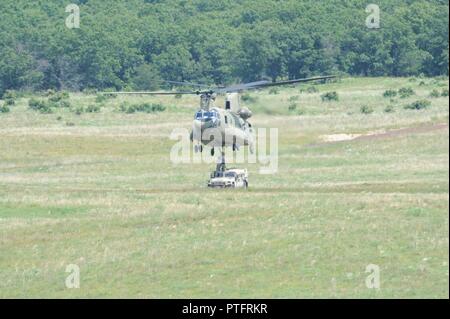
x=229 y=178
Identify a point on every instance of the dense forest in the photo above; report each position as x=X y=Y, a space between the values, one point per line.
x=129 y=44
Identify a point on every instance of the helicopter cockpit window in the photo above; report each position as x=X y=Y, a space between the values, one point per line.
x=206 y=115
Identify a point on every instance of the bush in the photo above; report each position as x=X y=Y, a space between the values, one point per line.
x=406 y=92
x=312 y=89
x=100 y=98
x=93 y=109
x=390 y=93
x=65 y=104
x=389 y=109
x=292 y=107
x=444 y=93
x=274 y=91
x=143 y=108
x=4 y=109
x=294 y=98
x=330 y=96
x=90 y=91
x=59 y=97
x=40 y=105
x=79 y=110
x=10 y=102
x=49 y=92
x=246 y=97
x=9 y=95
x=110 y=94
x=435 y=94
x=366 y=109
x=418 y=105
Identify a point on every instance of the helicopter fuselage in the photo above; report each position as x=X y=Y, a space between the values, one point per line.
x=217 y=127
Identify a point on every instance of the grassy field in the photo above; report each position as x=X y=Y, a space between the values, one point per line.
x=98 y=190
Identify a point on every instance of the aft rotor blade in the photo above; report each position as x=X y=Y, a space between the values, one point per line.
x=317 y=78
x=264 y=84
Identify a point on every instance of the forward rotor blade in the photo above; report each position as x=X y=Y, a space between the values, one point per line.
x=152 y=93
x=317 y=78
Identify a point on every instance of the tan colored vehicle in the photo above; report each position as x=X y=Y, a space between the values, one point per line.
x=230 y=178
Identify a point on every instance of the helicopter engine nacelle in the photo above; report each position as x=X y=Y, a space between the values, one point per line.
x=245 y=113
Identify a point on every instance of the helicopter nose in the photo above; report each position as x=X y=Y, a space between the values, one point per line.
x=203 y=125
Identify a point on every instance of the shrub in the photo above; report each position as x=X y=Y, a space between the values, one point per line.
x=10 y=97
x=389 y=109
x=4 y=109
x=100 y=98
x=390 y=93
x=406 y=92
x=110 y=93
x=93 y=109
x=444 y=93
x=366 y=109
x=292 y=107
x=90 y=91
x=274 y=91
x=294 y=98
x=330 y=96
x=143 y=108
x=435 y=93
x=178 y=96
x=49 y=92
x=418 y=105
x=65 y=104
x=79 y=110
x=246 y=97
x=59 y=97
x=312 y=89
x=40 y=105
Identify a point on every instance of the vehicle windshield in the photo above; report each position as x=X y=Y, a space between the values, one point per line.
x=230 y=174
x=206 y=115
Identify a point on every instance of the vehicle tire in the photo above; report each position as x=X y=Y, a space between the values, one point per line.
x=246 y=184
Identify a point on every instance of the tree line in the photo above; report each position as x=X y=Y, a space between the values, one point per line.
x=133 y=44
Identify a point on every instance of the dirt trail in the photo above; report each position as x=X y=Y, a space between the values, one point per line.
x=424 y=128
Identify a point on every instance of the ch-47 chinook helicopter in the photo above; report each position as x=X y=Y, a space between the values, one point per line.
x=230 y=123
